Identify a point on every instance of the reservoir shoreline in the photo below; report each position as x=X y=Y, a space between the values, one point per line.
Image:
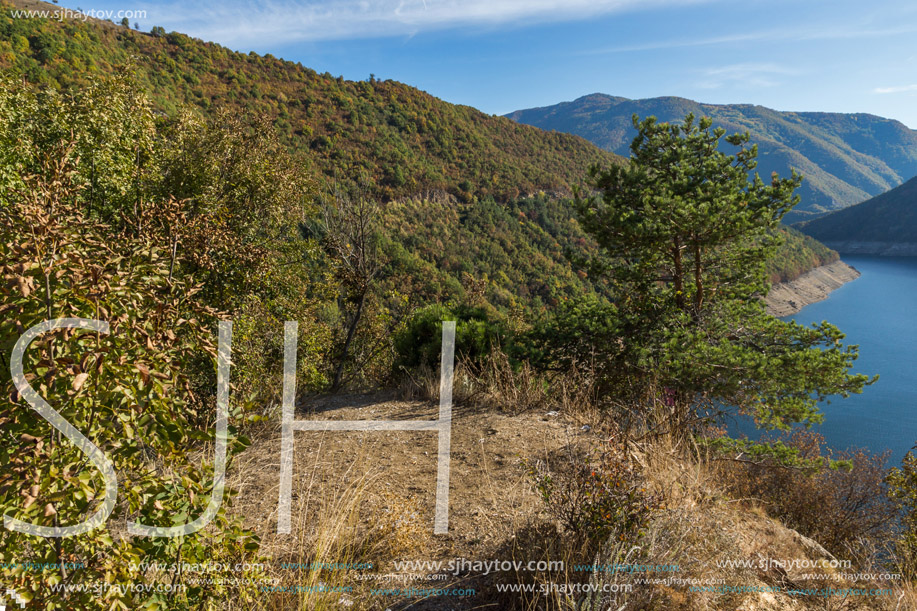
x=788 y=298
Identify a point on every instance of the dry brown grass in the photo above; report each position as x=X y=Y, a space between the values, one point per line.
x=501 y=386
x=847 y=511
x=354 y=522
x=368 y=497
x=366 y=513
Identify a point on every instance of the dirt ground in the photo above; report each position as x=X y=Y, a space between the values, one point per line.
x=369 y=497
x=386 y=480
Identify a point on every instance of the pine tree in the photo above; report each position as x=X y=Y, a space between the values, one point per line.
x=685 y=232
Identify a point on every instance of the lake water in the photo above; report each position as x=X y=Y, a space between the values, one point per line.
x=877 y=311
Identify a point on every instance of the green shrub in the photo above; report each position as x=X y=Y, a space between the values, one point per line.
x=141 y=392
x=419 y=342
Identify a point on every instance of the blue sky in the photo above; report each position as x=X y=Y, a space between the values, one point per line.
x=503 y=55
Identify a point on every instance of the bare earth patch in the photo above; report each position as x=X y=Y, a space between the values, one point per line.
x=385 y=481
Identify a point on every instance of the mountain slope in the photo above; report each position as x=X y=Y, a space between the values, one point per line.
x=457 y=180
x=472 y=199
x=886 y=224
x=398 y=139
x=845 y=158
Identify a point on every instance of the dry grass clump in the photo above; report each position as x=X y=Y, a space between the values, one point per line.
x=495 y=385
x=349 y=526
x=593 y=491
x=559 y=553
x=678 y=545
x=512 y=388
x=684 y=538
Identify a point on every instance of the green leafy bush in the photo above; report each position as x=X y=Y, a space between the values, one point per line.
x=138 y=392
x=94 y=225
x=419 y=342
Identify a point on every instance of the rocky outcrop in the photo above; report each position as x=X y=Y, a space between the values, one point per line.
x=787 y=298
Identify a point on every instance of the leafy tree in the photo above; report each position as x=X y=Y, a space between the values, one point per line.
x=142 y=392
x=684 y=237
x=243 y=195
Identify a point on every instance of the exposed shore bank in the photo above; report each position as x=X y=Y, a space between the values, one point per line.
x=787 y=298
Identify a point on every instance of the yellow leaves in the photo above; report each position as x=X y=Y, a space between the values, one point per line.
x=49 y=510
x=117 y=604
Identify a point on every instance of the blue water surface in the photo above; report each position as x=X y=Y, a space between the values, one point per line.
x=878 y=312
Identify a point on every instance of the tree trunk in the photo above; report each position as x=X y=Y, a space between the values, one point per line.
x=351 y=331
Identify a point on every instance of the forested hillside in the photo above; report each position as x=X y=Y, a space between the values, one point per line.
x=477 y=202
x=886 y=224
x=846 y=158
x=798 y=254
x=397 y=138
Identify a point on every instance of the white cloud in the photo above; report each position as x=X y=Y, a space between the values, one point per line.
x=747 y=75
x=680 y=43
x=900 y=89
x=236 y=22
x=772 y=35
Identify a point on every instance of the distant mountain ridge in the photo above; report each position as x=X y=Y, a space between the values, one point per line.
x=846 y=158
x=883 y=225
